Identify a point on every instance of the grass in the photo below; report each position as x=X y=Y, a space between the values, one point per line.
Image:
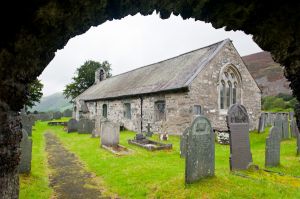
x=160 y=174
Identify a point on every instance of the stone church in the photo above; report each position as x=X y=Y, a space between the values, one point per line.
x=170 y=93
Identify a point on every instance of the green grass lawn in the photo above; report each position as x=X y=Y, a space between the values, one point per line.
x=160 y=174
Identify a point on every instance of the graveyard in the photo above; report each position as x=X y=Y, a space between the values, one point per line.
x=156 y=174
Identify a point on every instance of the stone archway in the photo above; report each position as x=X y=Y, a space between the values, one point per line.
x=29 y=41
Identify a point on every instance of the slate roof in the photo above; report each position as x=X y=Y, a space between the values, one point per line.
x=171 y=74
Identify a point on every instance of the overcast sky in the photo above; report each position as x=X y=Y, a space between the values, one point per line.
x=135 y=41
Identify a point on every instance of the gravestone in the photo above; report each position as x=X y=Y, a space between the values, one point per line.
x=85 y=126
x=279 y=123
x=272 y=152
x=67 y=113
x=149 y=133
x=261 y=124
x=285 y=126
x=293 y=128
x=183 y=142
x=291 y=115
x=57 y=115
x=27 y=124
x=298 y=139
x=110 y=133
x=238 y=123
x=26 y=150
x=200 y=154
x=72 y=126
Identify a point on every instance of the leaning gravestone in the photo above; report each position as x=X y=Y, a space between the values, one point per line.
x=110 y=133
x=272 y=156
x=238 y=123
x=72 y=126
x=278 y=123
x=26 y=150
x=183 y=142
x=285 y=126
x=200 y=154
x=261 y=124
x=86 y=126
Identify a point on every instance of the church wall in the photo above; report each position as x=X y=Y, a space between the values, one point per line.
x=204 y=89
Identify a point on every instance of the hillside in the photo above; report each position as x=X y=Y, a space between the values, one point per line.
x=268 y=74
x=54 y=102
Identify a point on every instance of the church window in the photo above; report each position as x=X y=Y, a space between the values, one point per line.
x=160 y=113
x=104 y=110
x=127 y=110
x=229 y=87
x=197 y=109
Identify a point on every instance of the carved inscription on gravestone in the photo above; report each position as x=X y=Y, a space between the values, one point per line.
x=272 y=156
x=238 y=123
x=200 y=154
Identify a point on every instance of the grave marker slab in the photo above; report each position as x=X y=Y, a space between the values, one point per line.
x=285 y=126
x=85 y=126
x=298 y=140
x=27 y=124
x=200 y=154
x=110 y=133
x=26 y=151
x=261 y=124
x=72 y=126
x=272 y=152
x=279 y=123
x=293 y=126
x=238 y=123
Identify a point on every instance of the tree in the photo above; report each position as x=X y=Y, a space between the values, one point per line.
x=35 y=93
x=84 y=78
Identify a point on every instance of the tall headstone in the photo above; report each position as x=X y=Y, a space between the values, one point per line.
x=72 y=125
x=149 y=133
x=110 y=133
x=261 y=124
x=278 y=123
x=27 y=124
x=26 y=151
x=272 y=152
x=85 y=126
x=285 y=126
x=200 y=154
x=238 y=123
x=293 y=128
x=183 y=142
x=291 y=115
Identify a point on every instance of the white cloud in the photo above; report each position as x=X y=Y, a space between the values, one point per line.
x=136 y=41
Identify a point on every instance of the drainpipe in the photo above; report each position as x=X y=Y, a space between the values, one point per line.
x=141 y=98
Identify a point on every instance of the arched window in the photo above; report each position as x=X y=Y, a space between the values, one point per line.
x=101 y=75
x=222 y=95
x=229 y=87
x=104 y=110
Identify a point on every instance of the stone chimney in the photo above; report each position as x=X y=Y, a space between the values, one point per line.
x=100 y=75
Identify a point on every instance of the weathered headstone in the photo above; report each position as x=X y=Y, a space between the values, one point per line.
x=27 y=124
x=67 y=113
x=85 y=126
x=293 y=126
x=183 y=142
x=72 y=125
x=291 y=115
x=278 y=123
x=57 y=115
x=238 y=123
x=285 y=126
x=272 y=152
x=200 y=154
x=261 y=124
x=298 y=140
x=110 y=133
x=26 y=150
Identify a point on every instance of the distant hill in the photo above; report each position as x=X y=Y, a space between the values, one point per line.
x=54 y=102
x=267 y=73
